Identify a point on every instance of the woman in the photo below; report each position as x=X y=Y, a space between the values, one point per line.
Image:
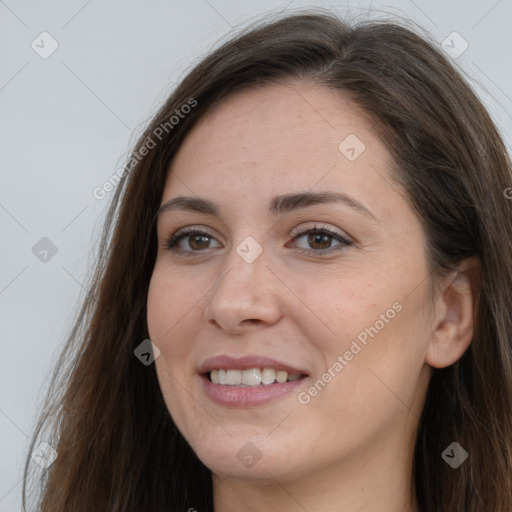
x=303 y=296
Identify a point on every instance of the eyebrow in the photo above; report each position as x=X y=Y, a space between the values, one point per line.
x=278 y=205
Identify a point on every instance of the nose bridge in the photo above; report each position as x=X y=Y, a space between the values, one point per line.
x=244 y=291
x=243 y=269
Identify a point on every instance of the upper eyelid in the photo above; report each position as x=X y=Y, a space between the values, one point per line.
x=297 y=232
x=317 y=225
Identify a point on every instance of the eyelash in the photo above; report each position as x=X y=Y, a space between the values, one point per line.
x=189 y=231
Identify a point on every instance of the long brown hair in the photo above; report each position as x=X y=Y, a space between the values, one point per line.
x=118 y=448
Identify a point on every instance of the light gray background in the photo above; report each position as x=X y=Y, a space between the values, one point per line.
x=66 y=126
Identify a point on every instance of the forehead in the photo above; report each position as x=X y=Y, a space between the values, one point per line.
x=280 y=138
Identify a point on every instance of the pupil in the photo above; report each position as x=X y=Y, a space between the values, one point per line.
x=197 y=237
x=315 y=237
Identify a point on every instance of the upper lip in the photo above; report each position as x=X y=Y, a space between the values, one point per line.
x=246 y=363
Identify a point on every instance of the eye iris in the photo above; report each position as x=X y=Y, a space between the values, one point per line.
x=316 y=237
x=194 y=238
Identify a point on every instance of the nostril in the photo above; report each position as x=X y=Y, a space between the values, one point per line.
x=251 y=321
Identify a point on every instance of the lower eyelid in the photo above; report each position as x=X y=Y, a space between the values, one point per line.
x=341 y=246
x=342 y=241
x=172 y=241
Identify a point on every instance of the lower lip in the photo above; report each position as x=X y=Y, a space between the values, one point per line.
x=233 y=396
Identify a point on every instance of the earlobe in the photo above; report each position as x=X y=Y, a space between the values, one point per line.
x=455 y=316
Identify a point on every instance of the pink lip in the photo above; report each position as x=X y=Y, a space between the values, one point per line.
x=234 y=396
x=246 y=363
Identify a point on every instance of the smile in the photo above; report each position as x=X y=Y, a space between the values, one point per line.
x=250 y=380
x=251 y=377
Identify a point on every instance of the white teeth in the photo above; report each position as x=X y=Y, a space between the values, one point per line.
x=251 y=377
x=281 y=376
x=268 y=375
x=233 y=378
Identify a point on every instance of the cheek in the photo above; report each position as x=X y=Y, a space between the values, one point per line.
x=157 y=304
x=337 y=307
x=171 y=304
x=171 y=317
x=169 y=314
x=383 y=357
x=376 y=325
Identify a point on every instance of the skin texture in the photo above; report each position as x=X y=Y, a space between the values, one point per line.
x=350 y=447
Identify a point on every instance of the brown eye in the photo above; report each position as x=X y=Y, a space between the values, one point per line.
x=196 y=239
x=198 y=242
x=320 y=240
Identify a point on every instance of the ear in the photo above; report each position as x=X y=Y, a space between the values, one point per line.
x=455 y=313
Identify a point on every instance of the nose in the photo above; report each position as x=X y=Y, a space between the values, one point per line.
x=245 y=296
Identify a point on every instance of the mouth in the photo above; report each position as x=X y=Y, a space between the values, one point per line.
x=252 y=377
x=231 y=391
x=250 y=380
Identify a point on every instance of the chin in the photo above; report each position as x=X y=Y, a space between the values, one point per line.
x=254 y=457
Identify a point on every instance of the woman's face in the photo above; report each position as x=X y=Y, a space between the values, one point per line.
x=346 y=308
